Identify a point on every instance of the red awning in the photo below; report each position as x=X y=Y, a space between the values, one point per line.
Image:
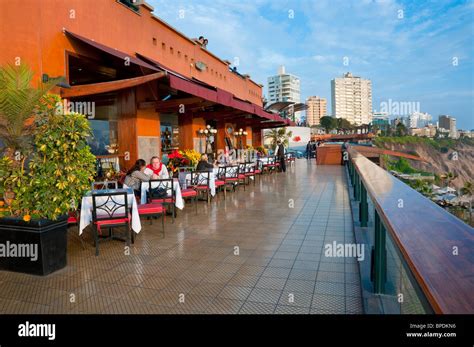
x=112 y=51
x=192 y=88
x=213 y=94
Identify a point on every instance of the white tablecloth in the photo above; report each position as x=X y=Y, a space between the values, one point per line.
x=179 y=202
x=86 y=209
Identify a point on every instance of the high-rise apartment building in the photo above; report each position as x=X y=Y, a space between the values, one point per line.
x=316 y=109
x=284 y=87
x=448 y=123
x=352 y=99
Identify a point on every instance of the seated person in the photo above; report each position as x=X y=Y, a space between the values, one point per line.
x=204 y=165
x=156 y=169
x=135 y=176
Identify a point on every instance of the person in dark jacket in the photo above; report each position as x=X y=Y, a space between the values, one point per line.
x=280 y=155
x=203 y=164
x=309 y=149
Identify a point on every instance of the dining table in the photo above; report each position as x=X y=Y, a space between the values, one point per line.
x=86 y=207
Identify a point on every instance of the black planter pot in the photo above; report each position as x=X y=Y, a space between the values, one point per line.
x=37 y=247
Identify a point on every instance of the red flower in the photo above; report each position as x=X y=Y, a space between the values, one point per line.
x=175 y=155
x=297 y=139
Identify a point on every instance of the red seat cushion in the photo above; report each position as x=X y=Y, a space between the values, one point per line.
x=258 y=171
x=165 y=200
x=185 y=193
x=71 y=220
x=202 y=187
x=105 y=222
x=231 y=179
x=219 y=183
x=250 y=174
x=150 y=208
x=112 y=221
x=241 y=176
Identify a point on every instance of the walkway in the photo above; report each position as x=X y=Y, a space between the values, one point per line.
x=259 y=251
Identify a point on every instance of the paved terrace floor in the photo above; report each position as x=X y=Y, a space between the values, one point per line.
x=280 y=226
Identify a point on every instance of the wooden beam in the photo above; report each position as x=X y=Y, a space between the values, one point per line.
x=104 y=87
x=175 y=104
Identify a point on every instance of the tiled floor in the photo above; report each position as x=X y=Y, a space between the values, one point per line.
x=260 y=251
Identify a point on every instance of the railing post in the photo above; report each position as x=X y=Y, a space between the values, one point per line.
x=380 y=256
x=356 y=186
x=351 y=172
x=363 y=206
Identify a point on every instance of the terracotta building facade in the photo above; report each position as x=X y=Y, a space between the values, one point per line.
x=146 y=88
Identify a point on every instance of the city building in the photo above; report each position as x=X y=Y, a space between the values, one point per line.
x=151 y=95
x=380 y=120
x=418 y=120
x=352 y=99
x=426 y=131
x=448 y=123
x=317 y=108
x=397 y=120
x=466 y=133
x=284 y=87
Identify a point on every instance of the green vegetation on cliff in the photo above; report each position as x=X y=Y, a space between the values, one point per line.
x=402 y=165
x=440 y=144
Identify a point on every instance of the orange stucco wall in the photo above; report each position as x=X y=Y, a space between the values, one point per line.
x=148 y=122
x=31 y=32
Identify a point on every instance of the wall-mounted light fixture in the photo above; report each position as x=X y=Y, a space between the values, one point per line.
x=45 y=78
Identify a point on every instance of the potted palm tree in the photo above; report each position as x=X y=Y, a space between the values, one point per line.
x=44 y=170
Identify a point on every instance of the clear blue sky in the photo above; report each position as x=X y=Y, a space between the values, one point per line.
x=407 y=48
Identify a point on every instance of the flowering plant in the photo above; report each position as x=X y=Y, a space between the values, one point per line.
x=192 y=155
x=176 y=160
x=297 y=139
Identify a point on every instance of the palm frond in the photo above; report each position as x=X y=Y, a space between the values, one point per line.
x=18 y=100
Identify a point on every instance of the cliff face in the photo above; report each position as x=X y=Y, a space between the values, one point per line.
x=459 y=160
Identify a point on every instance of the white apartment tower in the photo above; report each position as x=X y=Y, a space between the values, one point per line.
x=284 y=87
x=316 y=109
x=352 y=99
